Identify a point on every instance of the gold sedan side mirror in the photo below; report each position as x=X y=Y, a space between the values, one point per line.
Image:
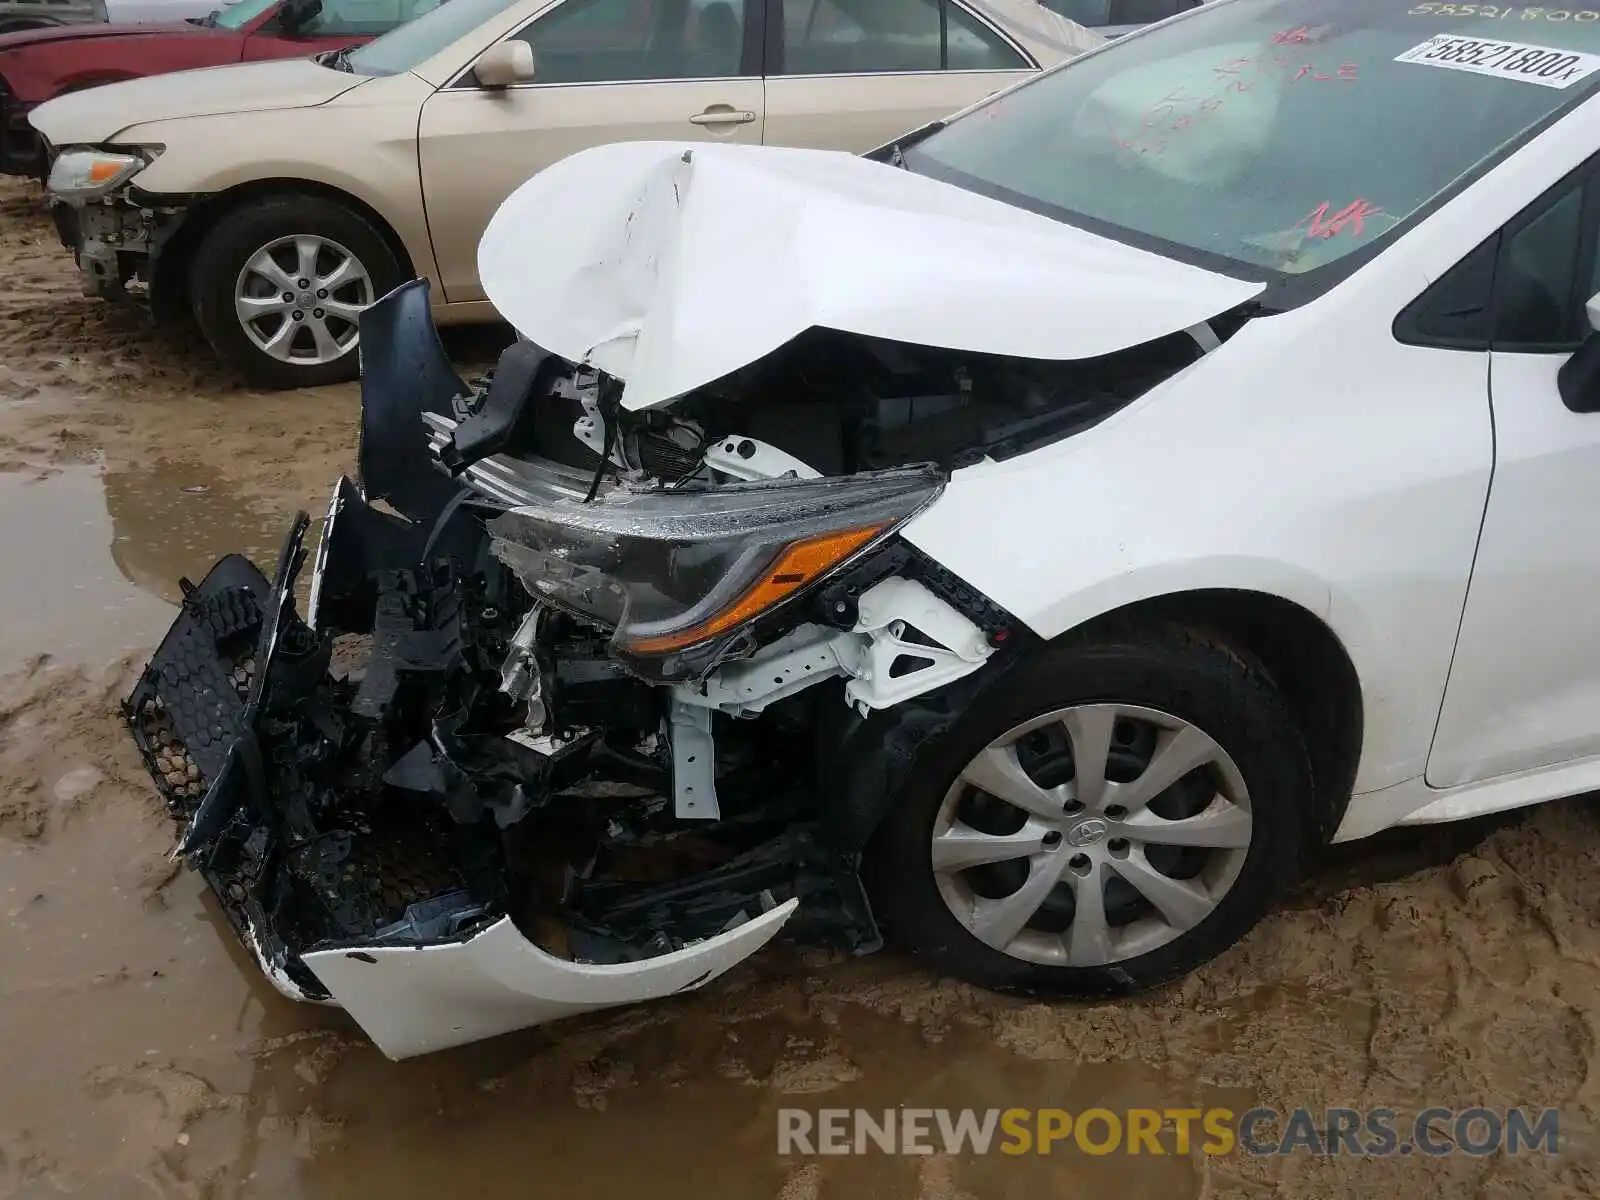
x=504 y=64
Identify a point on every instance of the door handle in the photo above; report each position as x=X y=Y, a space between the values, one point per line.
x=721 y=114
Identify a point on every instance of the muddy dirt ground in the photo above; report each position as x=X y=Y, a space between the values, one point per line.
x=142 y=1055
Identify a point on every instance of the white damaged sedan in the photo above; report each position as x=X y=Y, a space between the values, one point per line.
x=1029 y=543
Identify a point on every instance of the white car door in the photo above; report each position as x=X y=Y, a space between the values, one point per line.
x=605 y=71
x=1524 y=690
x=854 y=74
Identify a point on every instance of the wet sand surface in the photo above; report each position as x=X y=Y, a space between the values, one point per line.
x=143 y=1055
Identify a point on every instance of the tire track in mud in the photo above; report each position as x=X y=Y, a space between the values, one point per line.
x=145 y=1055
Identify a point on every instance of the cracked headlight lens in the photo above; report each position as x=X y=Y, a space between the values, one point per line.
x=679 y=573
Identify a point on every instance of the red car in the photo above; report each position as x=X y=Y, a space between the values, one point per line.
x=39 y=64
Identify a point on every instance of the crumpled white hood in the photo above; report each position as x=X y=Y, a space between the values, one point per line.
x=668 y=265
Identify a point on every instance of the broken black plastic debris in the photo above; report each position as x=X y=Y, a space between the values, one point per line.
x=187 y=704
x=244 y=761
x=660 y=918
x=424 y=770
x=434 y=919
x=408 y=635
x=519 y=376
x=404 y=373
x=357 y=542
x=322 y=857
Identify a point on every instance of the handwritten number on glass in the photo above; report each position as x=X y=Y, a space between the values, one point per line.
x=1166 y=115
x=1321 y=223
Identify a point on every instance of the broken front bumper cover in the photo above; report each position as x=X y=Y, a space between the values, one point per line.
x=441 y=966
x=460 y=797
x=413 y=1000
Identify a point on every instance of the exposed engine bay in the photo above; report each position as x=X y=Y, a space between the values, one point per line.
x=832 y=403
x=584 y=705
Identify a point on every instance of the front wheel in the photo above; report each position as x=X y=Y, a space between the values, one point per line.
x=1125 y=808
x=277 y=288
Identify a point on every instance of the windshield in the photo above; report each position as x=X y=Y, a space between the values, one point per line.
x=405 y=48
x=1274 y=133
x=237 y=16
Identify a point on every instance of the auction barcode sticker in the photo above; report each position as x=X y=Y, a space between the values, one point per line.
x=1508 y=60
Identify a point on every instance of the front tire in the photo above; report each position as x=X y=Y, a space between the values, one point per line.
x=277 y=287
x=1114 y=814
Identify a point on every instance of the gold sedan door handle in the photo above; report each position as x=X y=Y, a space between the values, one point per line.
x=723 y=114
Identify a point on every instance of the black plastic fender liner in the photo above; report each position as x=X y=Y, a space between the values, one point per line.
x=863 y=761
x=405 y=373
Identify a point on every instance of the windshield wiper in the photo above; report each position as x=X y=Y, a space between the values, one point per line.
x=338 y=60
x=894 y=154
x=210 y=19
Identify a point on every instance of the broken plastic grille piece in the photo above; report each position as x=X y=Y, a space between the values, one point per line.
x=392 y=861
x=176 y=773
x=242 y=674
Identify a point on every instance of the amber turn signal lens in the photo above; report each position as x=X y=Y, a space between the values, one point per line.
x=101 y=171
x=797 y=566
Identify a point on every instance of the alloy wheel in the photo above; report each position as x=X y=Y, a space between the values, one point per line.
x=1091 y=835
x=299 y=299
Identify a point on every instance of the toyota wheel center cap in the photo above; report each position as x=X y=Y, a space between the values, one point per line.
x=1087 y=833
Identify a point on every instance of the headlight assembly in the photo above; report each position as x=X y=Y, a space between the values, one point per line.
x=678 y=574
x=80 y=175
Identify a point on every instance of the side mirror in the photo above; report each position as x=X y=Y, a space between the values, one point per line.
x=504 y=64
x=296 y=14
x=1579 y=377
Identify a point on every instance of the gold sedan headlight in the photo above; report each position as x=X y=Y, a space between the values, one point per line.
x=80 y=175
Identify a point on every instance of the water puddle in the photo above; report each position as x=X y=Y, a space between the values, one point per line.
x=94 y=556
x=689 y=1110
x=167 y=1058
